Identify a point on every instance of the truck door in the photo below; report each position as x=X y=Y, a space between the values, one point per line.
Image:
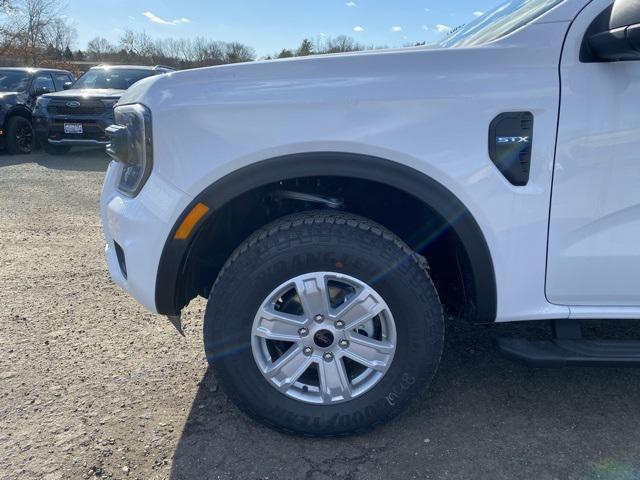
x=594 y=236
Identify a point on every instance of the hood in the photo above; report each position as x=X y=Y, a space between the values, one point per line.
x=87 y=93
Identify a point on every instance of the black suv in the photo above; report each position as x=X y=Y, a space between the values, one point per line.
x=19 y=88
x=80 y=115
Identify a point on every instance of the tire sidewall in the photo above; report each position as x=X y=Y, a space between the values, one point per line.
x=370 y=258
x=12 y=145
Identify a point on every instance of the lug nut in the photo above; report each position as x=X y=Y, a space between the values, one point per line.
x=339 y=324
x=307 y=351
x=319 y=318
x=343 y=343
x=328 y=356
x=303 y=332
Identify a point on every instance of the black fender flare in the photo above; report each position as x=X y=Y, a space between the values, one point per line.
x=337 y=164
x=21 y=110
x=17 y=110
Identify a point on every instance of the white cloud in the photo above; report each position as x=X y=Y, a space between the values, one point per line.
x=156 y=19
x=478 y=14
x=396 y=28
x=351 y=4
x=425 y=28
x=442 y=28
x=427 y=10
x=131 y=17
x=358 y=28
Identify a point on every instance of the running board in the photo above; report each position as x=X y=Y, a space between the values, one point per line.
x=567 y=348
x=571 y=353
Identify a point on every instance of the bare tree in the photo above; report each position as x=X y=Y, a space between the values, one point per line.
x=341 y=44
x=62 y=34
x=7 y=7
x=128 y=41
x=179 y=52
x=99 y=47
x=139 y=44
x=33 y=20
x=207 y=52
x=237 y=52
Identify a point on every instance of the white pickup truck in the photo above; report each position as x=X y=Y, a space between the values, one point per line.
x=336 y=209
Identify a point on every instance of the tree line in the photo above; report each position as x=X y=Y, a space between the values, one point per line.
x=37 y=33
x=31 y=30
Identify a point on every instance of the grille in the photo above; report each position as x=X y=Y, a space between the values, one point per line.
x=87 y=107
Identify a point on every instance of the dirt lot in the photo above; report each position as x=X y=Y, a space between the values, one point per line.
x=93 y=385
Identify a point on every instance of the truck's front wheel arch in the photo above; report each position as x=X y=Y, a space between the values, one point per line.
x=426 y=215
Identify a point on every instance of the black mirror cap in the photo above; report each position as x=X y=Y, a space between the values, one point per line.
x=67 y=85
x=620 y=44
x=614 y=35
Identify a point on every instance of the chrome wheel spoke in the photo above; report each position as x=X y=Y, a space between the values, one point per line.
x=362 y=308
x=334 y=381
x=275 y=325
x=371 y=353
x=285 y=371
x=318 y=354
x=313 y=295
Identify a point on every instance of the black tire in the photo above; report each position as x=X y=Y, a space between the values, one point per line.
x=56 y=149
x=20 y=136
x=324 y=241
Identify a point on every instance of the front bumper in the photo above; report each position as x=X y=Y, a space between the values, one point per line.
x=50 y=129
x=139 y=227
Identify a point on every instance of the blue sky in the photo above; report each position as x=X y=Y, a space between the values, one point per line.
x=270 y=25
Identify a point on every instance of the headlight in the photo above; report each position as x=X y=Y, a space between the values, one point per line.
x=132 y=145
x=41 y=106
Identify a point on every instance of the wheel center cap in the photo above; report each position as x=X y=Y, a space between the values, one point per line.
x=323 y=338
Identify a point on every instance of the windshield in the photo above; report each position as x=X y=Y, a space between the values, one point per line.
x=13 y=81
x=119 y=79
x=497 y=23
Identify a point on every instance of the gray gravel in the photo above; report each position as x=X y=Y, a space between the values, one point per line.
x=91 y=385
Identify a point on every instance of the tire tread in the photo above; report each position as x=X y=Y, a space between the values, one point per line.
x=328 y=217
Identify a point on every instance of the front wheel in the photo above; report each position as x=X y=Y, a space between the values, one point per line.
x=20 y=136
x=324 y=323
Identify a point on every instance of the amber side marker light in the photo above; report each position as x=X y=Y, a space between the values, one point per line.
x=190 y=221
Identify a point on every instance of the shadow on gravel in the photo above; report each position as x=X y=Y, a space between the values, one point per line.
x=483 y=417
x=78 y=159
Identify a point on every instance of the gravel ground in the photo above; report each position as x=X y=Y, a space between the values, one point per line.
x=92 y=385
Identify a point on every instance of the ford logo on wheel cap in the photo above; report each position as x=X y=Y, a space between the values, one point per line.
x=73 y=104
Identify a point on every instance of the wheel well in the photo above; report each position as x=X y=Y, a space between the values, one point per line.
x=19 y=112
x=419 y=225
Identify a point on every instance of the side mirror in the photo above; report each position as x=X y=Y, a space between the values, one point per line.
x=41 y=91
x=615 y=35
x=67 y=85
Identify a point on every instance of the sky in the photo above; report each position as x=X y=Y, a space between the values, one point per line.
x=271 y=25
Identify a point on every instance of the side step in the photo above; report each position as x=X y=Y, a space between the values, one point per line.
x=568 y=349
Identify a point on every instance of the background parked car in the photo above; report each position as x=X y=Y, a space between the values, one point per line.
x=80 y=115
x=19 y=89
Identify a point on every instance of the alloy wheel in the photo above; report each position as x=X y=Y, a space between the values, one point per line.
x=24 y=138
x=323 y=338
